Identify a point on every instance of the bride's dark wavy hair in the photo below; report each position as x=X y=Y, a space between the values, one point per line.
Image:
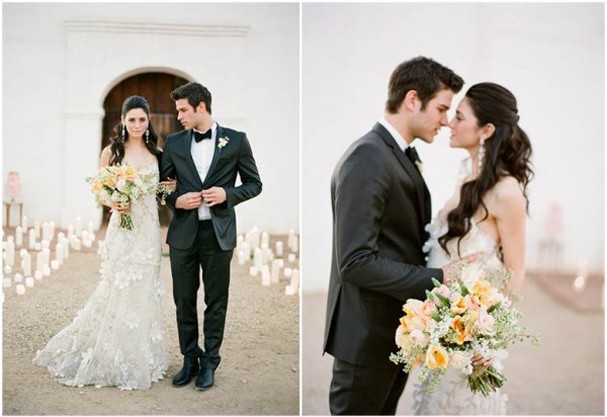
x=507 y=153
x=118 y=139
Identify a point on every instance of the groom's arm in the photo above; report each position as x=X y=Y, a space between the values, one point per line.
x=249 y=176
x=361 y=191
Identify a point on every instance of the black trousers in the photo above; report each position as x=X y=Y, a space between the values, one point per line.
x=360 y=390
x=185 y=268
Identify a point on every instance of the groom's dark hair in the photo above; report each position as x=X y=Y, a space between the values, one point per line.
x=194 y=93
x=424 y=75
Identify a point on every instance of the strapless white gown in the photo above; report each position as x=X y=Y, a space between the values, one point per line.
x=452 y=395
x=118 y=337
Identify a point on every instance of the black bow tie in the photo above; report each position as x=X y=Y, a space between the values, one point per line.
x=200 y=136
x=412 y=155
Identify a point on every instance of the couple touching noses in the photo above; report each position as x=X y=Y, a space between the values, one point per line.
x=387 y=248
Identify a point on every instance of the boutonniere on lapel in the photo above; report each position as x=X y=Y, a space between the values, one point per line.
x=420 y=166
x=223 y=141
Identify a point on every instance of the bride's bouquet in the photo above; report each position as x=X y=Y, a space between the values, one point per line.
x=122 y=184
x=456 y=322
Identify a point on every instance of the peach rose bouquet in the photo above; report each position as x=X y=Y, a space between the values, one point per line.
x=472 y=316
x=124 y=184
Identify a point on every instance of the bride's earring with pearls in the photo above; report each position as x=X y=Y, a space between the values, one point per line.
x=147 y=136
x=481 y=154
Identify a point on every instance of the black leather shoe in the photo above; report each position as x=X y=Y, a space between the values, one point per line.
x=206 y=379
x=189 y=371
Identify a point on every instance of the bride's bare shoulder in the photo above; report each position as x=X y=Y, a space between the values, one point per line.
x=508 y=194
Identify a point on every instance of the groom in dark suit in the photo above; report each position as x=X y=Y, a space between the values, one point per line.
x=380 y=208
x=205 y=158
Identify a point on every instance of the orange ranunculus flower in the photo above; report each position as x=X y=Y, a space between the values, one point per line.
x=436 y=357
x=459 y=306
x=461 y=331
x=481 y=289
x=130 y=174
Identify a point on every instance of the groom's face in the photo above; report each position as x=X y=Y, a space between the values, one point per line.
x=186 y=114
x=427 y=123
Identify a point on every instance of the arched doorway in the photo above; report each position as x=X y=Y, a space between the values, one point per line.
x=155 y=87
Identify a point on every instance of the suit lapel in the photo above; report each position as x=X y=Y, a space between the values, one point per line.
x=216 y=154
x=423 y=195
x=186 y=144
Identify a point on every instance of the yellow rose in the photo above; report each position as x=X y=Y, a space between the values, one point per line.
x=459 y=305
x=483 y=291
x=436 y=357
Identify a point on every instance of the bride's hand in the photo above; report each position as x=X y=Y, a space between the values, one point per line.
x=479 y=362
x=121 y=208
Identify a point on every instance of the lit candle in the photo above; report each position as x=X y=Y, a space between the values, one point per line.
x=257 y=258
x=275 y=272
x=54 y=265
x=291 y=257
x=265 y=239
x=70 y=232
x=20 y=289
x=76 y=244
x=253 y=271
x=265 y=276
x=45 y=244
x=59 y=253
x=295 y=280
x=46 y=271
x=46 y=257
x=289 y=290
x=295 y=246
x=241 y=258
x=239 y=241
x=32 y=239
x=38 y=275
x=66 y=249
x=27 y=264
x=24 y=222
x=7 y=270
x=52 y=227
x=90 y=228
x=19 y=236
x=279 y=248
x=29 y=282
x=10 y=253
x=46 y=231
x=37 y=229
x=18 y=278
x=288 y=272
x=290 y=238
x=247 y=250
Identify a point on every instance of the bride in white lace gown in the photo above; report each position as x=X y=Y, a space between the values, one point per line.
x=487 y=212
x=118 y=338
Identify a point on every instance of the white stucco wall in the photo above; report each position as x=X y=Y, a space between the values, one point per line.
x=551 y=56
x=60 y=60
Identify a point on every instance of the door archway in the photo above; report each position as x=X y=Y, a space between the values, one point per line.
x=155 y=87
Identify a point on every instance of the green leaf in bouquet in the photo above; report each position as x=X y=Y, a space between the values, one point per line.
x=436 y=282
x=443 y=299
x=464 y=289
x=429 y=295
x=435 y=316
x=494 y=306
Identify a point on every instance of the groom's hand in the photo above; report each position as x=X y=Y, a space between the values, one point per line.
x=213 y=196
x=189 y=201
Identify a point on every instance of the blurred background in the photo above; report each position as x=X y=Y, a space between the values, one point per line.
x=551 y=56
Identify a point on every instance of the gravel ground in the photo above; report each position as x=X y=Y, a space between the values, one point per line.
x=259 y=373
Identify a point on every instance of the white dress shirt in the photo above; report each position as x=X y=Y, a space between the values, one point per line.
x=400 y=141
x=202 y=154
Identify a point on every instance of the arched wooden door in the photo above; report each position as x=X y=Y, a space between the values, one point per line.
x=155 y=87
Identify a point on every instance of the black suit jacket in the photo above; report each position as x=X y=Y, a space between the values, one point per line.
x=380 y=208
x=235 y=158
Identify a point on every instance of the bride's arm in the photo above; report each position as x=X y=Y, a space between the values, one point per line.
x=510 y=213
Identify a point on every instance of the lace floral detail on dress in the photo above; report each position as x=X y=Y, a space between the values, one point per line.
x=117 y=338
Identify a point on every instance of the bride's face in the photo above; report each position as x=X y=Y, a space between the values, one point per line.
x=465 y=132
x=136 y=122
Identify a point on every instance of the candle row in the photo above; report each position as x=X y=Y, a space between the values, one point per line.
x=256 y=239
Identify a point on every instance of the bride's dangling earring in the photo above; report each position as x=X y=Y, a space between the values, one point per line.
x=481 y=154
x=123 y=132
x=147 y=136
